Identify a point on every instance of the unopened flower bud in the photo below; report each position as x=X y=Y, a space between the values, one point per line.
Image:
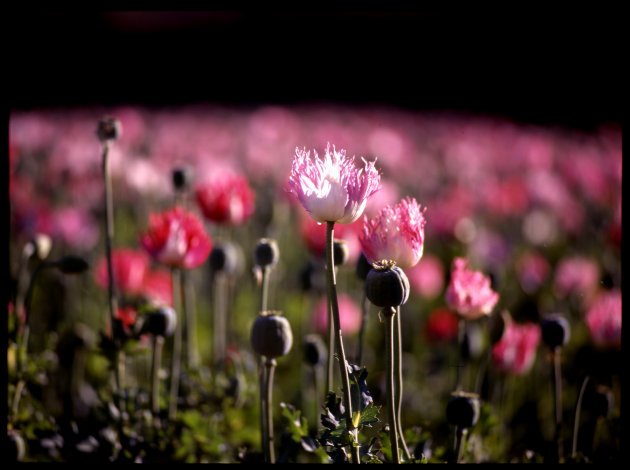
x=266 y=252
x=182 y=177
x=71 y=265
x=314 y=350
x=555 y=330
x=109 y=128
x=387 y=285
x=363 y=267
x=226 y=257
x=271 y=335
x=341 y=253
x=160 y=322
x=463 y=409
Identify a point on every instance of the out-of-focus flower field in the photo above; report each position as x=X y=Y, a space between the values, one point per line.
x=536 y=209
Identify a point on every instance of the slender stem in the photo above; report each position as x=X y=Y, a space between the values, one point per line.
x=557 y=381
x=220 y=299
x=264 y=292
x=331 y=350
x=365 y=308
x=270 y=365
x=315 y=376
x=345 y=379
x=158 y=343
x=461 y=335
x=398 y=391
x=391 y=404
x=459 y=437
x=578 y=410
x=176 y=358
x=262 y=379
x=192 y=356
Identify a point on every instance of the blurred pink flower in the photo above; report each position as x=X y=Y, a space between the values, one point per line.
x=576 y=275
x=314 y=236
x=604 y=319
x=158 y=286
x=397 y=234
x=427 y=277
x=226 y=198
x=386 y=195
x=532 y=270
x=76 y=227
x=469 y=292
x=177 y=238
x=332 y=189
x=349 y=315
x=442 y=325
x=129 y=269
x=515 y=352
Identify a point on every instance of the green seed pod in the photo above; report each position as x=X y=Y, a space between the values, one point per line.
x=463 y=409
x=271 y=335
x=108 y=128
x=387 y=285
x=266 y=252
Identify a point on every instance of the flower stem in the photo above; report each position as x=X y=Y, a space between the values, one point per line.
x=262 y=374
x=557 y=382
x=270 y=365
x=391 y=404
x=459 y=437
x=578 y=409
x=398 y=391
x=192 y=356
x=461 y=336
x=158 y=343
x=264 y=292
x=365 y=307
x=177 y=347
x=345 y=379
x=220 y=307
x=315 y=371
x=331 y=350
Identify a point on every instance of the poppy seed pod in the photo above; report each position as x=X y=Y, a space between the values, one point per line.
x=341 y=253
x=463 y=409
x=387 y=285
x=314 y=350
x=266 y=252
x=363 y=267
x=602 y=401
x=71 y=265
x=271 y=335
x=160 y=322
x=182 y=177
x=555 y=330
x=312 y=276
x=108 y=128
x=225 y=257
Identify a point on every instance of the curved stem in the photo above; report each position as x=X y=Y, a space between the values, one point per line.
x=578 y=409
x=365 y=308
x=398 y=391
x=270 y=365
x=158 y=343
x=345 y=379
x=557 y=381
x=391 y=404
x=459 y=437
x=177 y=348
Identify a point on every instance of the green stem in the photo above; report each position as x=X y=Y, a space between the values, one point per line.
x=192 y=355
x=557 y=381
x=177 y=347
x=365 y=307
x=461 y=334
x=331 y=350
x=158 y=343
x=219 y=330
x=264 y=292
x=398 y=391
x=270 y=365
x=391 y=404
x=315 y=376
x=262 y=374
x=345 y=379
x=459 y=437
x=578 y=409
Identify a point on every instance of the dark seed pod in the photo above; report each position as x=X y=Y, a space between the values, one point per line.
x=363 y=267
x=226 y=257
x=17 y=448
x=109 y=128
x=463 y=409
x=182 y=177
x=387 y=285
x=160 y=322
x=271 y=335
x=314 y=350
x=340 y=252
x=602 y=401
x=72 y=265
x=556 y=330
x=312 y=276
x=266 y=252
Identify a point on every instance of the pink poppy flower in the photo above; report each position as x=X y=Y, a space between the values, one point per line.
x=532 y=270
x=427 y=278
x=576 y=275
x=76 y=227
x=158 y=287
x=177 y=238
x=441 y=326
x=515 y=352
x=226 y=198
x=349 y=315
x=397 y=234
x=129 y=266
x=604 y=319
x=332 y=189
x=469 y=292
